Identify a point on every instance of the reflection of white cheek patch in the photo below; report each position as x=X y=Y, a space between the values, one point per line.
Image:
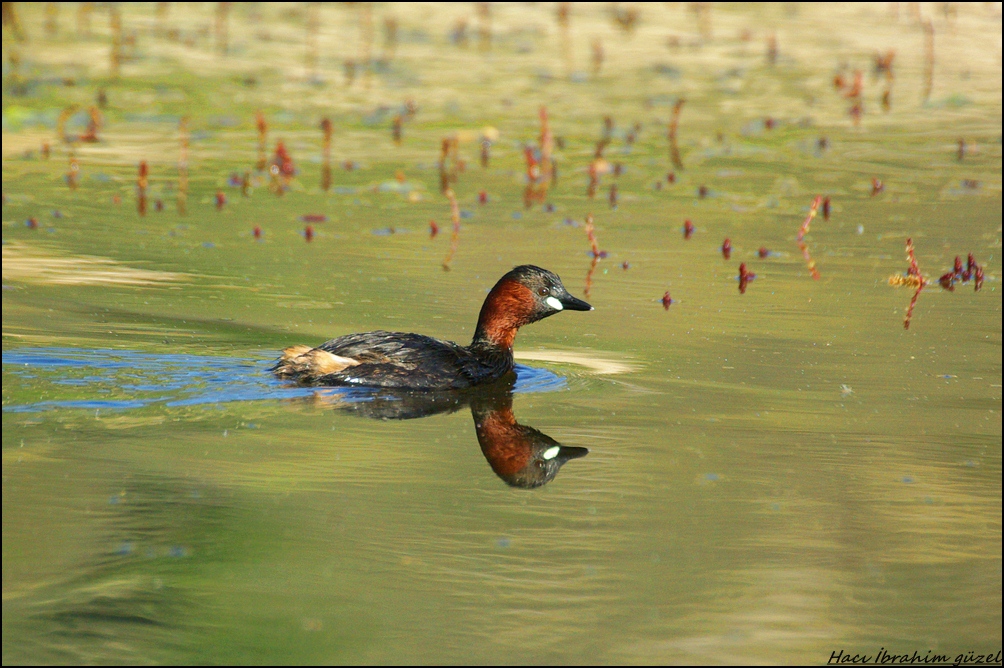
x=555 y=304
x=551 y=452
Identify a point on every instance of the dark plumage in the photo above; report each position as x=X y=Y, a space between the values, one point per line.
x=394 y=359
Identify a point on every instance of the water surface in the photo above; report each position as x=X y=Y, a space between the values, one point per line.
x=771 y=476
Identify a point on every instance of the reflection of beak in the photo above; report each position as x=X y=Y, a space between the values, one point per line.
x=572 y=304
x=567 y=452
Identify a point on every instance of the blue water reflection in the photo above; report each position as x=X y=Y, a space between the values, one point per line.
x=137 y=379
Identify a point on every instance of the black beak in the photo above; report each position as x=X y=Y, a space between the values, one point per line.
x=569 y=452
x=572 y=304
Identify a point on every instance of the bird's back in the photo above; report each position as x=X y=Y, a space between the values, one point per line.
x=394 y=359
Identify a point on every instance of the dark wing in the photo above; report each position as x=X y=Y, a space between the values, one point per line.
x=395 y=359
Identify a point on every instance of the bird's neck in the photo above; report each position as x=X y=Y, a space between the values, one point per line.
x=508 y=307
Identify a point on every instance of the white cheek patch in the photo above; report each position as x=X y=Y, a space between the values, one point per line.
x=551 y=452
x=556 y=305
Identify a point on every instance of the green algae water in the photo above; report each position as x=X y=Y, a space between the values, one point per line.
x=772 y=476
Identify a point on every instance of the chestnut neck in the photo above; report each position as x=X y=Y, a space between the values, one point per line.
x=503 y=441
x=509 y=306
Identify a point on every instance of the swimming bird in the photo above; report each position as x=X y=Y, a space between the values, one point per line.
x=403 y=360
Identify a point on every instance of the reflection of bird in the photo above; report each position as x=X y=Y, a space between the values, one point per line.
x=394 y=359
x=520 y=455
x=393 y=403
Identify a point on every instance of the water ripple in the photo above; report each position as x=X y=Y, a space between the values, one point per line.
x=136 y=379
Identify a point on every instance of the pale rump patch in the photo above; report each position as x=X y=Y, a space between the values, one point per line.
x=324 y=362
x=308 y=363
x=294 y=351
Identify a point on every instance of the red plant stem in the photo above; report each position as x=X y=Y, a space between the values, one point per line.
x=328 y=130
x=909 y=309
x=595 y=252
x=546 y=144
x=455 y=237
x=532 y=170
x=141 y=183
x=808 y=219
x=71 y=176
x=855 y=90
x=449 y=149
x=262 y=137
x=597 y=56
x=745 y=276
x=914 y=269
x=810 y=263
x=594 y=178
x=591 y=233
x=486 y=147
x=589 y=275
x=674 y=152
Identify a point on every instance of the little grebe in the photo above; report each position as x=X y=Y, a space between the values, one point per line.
x=394 y=359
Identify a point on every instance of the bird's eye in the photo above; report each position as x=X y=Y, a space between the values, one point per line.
x=543 y=292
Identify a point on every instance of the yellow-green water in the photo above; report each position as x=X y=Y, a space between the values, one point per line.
x=772 y=476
